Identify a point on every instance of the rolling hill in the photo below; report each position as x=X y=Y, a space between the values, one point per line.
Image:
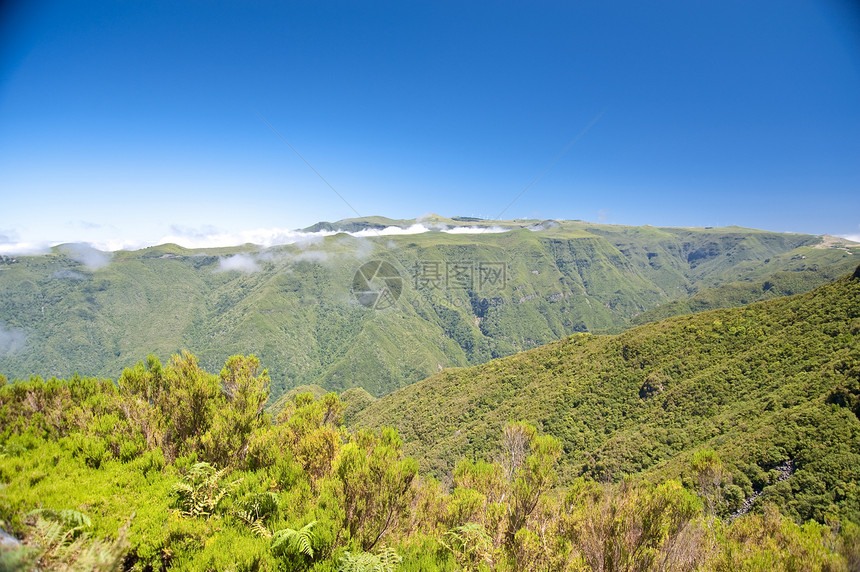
x=773 y=388
x=464 y=298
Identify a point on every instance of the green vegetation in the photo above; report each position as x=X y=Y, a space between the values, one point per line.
x=772 y=383
x=294 y=310
x=735 y=294
x=306 y=495
x=635 y=454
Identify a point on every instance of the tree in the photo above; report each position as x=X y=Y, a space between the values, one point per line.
x=534 y=476
x=245 y=391
x=632 y=525
x=708 y=473
x=140 y=389
x=144 y=381
x=373 y=480
x=311 y=430
x=516 y=443
x=188 y=403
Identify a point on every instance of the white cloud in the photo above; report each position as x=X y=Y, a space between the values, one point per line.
x=11 y=340
x=262 y=236
x=24 y=248
x=851 y=237
x=267 y=237
x=85 y=254
x=311 y=256
x=96 y=252
x=392 y=231
x=364 y=248
x=543 y=226
x=239 y=263
x=475 y=229
x=114 y=244
x=420 y=228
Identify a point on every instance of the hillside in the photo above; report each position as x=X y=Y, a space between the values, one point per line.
x=294 y=306
x=171 y=467
x=772 y=387
x=734 y=294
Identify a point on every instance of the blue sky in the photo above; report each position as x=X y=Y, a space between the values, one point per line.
x=122 y=123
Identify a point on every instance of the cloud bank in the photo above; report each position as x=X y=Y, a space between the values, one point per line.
x=95 y=254
x=238 y=262
x=85 y=254
x=267 y=237
x=11 y=340
x=15 y=248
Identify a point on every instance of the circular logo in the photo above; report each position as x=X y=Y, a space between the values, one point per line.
x=377 y=285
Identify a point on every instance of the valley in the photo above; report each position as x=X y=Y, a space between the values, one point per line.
x=294 y=306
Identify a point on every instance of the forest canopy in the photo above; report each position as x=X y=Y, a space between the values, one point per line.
x=172 y=467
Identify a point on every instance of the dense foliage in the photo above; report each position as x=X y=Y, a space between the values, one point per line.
x=774 y=384
x=678 y=429
x=171 y=470
x=292 y=306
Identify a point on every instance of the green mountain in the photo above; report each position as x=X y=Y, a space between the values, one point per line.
x=462 y=299
x=773 y=388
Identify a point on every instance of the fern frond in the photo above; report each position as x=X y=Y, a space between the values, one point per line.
x=58 y=548
x=259 y=528
x=295 y=541
x=201 y=491
x=384 y=561
x=75 y=518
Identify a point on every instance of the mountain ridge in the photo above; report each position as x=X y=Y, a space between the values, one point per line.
x=762 y=385
x=295 y=306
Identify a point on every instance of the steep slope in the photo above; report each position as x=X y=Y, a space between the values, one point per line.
x=295 y=306
x=801 y=274
x=773 y=384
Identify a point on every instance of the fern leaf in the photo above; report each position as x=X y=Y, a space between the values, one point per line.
x=260 y=529
x=295 y=541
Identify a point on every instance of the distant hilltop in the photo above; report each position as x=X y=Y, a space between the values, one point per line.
x=465 y=291
x=432 y=221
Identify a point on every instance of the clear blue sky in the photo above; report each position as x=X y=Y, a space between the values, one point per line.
x=135 y=120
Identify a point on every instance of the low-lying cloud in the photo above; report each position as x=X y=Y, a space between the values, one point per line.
x=85 y=254
x=268 y=237
x=16 y=248
x=311 y=256
x=542 y=226
x=238 y=262
x=853 y=237
x=97 y=253
x=265 y=237
x=344 y=247
x=11 y=340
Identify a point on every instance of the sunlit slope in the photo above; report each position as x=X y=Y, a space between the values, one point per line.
x=294 y=306
x=768 y=383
